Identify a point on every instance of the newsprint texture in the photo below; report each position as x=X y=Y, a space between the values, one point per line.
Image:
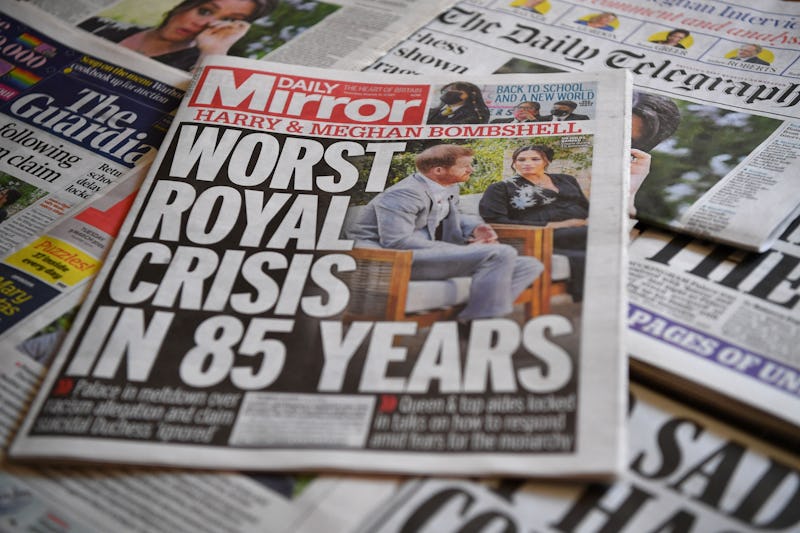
x=302 y=284
x=720 y=324
x=716 y=100
x=685 y=473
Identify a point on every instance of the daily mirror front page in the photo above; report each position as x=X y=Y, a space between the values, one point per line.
x=716 y=100
x=302 y=284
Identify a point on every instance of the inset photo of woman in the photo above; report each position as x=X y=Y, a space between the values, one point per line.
x=180 y=33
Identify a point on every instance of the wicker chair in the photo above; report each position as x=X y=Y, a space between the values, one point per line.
x=381 y=284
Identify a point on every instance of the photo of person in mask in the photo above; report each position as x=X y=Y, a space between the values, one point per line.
x=523 y=112
x=564 y=110
x=460 y=103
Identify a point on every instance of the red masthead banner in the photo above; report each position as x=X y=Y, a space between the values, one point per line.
x=309 y=98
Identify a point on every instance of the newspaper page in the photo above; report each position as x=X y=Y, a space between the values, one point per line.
x=117 y=499
x=345 y=34
x=685 y=473
x=71 y=124
x=716 y=321
x=717 y=93
x=255 y=311
x=43 y=320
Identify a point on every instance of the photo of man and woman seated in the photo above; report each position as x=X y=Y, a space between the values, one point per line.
x=449 y=203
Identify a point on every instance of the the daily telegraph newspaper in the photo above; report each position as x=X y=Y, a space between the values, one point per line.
x=716 y=100
x=75 y=117
x=720 y=324
x=281 y=296
x=685 y=473
x=345 y=34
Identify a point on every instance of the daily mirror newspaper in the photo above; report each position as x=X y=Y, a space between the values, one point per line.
x=686 y=472
x=716 y=100
x=302 y=284
x=714 y=322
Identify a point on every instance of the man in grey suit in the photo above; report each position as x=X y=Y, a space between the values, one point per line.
x=420 y=213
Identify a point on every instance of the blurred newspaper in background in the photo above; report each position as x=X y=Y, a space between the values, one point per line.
x=84 y=500
x=345 y=34
x=721 y=325
x=718 y=94
x=71 y=122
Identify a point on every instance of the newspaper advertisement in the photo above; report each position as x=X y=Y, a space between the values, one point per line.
x=71 y=125
x=345 y=34
x=302 y=284
x=724 y=320
x=717 y=86
x=685 y=473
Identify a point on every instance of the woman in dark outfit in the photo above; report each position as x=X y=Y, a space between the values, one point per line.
x=536 y=198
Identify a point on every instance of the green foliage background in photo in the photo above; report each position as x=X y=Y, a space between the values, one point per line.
x=287 y=21
x=492 y=161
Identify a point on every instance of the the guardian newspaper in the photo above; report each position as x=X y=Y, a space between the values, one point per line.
x=332 y=270
x=76 y=117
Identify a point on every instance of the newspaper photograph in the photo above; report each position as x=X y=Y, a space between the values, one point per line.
x=334 y=270
x=71 y=125
x=717 y=94
x=720 y=321
x=345 y=34
x=686 y=472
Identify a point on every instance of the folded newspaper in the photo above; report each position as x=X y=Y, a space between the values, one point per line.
x=301 y=284
x=716 y=95
x=713 y=322
x=76 y=115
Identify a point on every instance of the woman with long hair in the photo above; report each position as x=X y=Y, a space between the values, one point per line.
x=189 y=31
x=535 y=197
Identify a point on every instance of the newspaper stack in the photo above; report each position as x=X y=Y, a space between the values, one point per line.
x=713 y=322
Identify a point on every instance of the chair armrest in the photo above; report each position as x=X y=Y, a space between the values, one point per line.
x=527 y=240
x=535 y=242
x=379 y=284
